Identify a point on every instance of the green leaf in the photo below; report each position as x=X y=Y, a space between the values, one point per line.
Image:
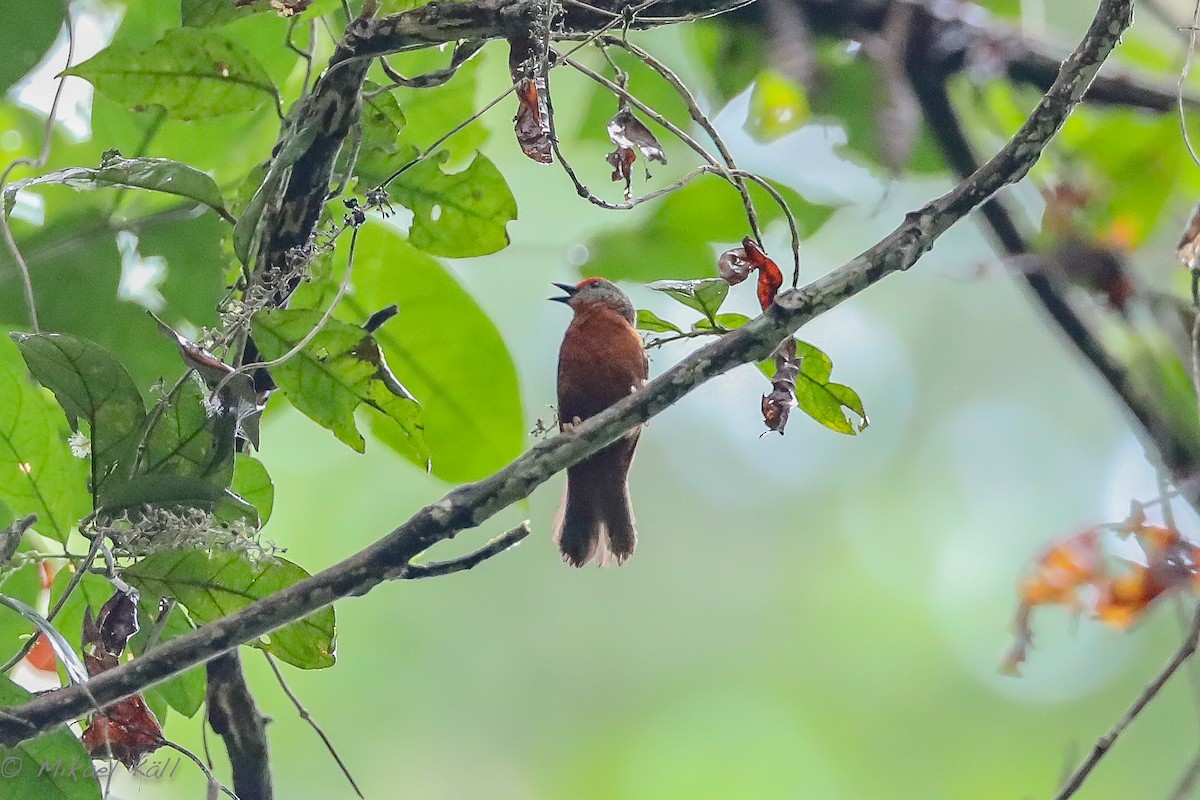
x=722 y=322
x=156 y=174
x=92 y=385
x=58 y=747
x=460 y=214
x=183 y=692
x=649 y=321
x=430 y=113
x=176 y=491
x=214 y=585
x=184 y=439
x=339 y=370
x=814 y=363
x=704 y=295
x=38 y=474
x=446 y=351
x=252 y=483
x=191 y=73
x=817 y=397
x=733 y=54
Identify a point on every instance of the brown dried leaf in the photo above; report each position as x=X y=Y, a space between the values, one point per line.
x=777 y=404
x=290 y=8
x=621 y=160
x=627 y=131
x=532 y=121
x=1189 y=242
x=117 y=621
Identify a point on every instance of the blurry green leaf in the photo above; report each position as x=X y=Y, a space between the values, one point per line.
x=183 y=692
x=26 y=32
x=58 y=747
x=191 y=73
x=252 y=483
x=184 y=439
x=460 y=214
x=76 y=271
x=704 y=295
x=852 y=95
x=732 y=54
x=38 y=474
x=675 y=237
x=339 y=370
x=214 y=585
x=92 y=385
x=649 y=321
x=157 y=174
x=446 y=351
x=25 y=584
x=777 y=107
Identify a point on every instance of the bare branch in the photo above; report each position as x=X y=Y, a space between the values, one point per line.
x=1105 y=742
x=495 y=547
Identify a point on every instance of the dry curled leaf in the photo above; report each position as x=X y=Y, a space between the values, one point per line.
x=777 y=404
x=290 y=8
x=126 y=730
x=628 y=132
x=1121 y=595
x=532 y=121
x=736 y=265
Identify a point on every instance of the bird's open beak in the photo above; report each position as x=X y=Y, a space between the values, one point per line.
x=566 y=287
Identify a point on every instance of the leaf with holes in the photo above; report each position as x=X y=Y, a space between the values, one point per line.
x=156 y=174
x=459 y=214
x=191 y=73
x=340 y=369
x=215 y=585
x=38 y=474
x=92 y=385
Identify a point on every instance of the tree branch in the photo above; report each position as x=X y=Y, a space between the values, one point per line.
x=472 y=504
x=235 y=717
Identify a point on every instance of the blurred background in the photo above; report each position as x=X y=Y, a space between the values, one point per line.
x=807 y=616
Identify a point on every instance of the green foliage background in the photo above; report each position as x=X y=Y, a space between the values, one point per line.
x=807 y=616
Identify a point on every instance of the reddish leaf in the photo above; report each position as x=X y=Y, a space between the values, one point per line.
x=532 y=122
x=41 y=655
x=736 y=265
x=621 y=161
x=127 y=730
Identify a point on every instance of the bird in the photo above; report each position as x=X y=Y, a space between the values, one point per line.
x=602 y=359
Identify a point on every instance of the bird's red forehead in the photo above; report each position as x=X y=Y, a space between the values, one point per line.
x=588 y=282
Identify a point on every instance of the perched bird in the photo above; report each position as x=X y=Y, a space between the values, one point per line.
x=601 y=360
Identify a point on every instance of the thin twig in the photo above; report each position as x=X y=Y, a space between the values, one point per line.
x=1151 y=690
x=495 y=547
x=36 y=163
x=1183 y=76
x=312 y=723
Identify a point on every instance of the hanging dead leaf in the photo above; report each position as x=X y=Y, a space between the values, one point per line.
x=777 y=404
x=126 y=730
x=532 y=121
x=627 y=132
x=621 y=160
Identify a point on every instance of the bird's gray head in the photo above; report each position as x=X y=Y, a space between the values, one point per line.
x=597 y=290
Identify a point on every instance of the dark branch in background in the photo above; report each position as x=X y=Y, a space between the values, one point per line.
x=235 y=717
x=472 y=504
x=1170 y=446
x=1025 y=61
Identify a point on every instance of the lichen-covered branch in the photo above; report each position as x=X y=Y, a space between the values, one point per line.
x=472 y=504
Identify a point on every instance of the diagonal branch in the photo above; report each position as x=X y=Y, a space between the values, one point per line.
x=472 y=504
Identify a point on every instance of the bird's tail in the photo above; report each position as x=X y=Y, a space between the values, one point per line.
x=596 y=519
